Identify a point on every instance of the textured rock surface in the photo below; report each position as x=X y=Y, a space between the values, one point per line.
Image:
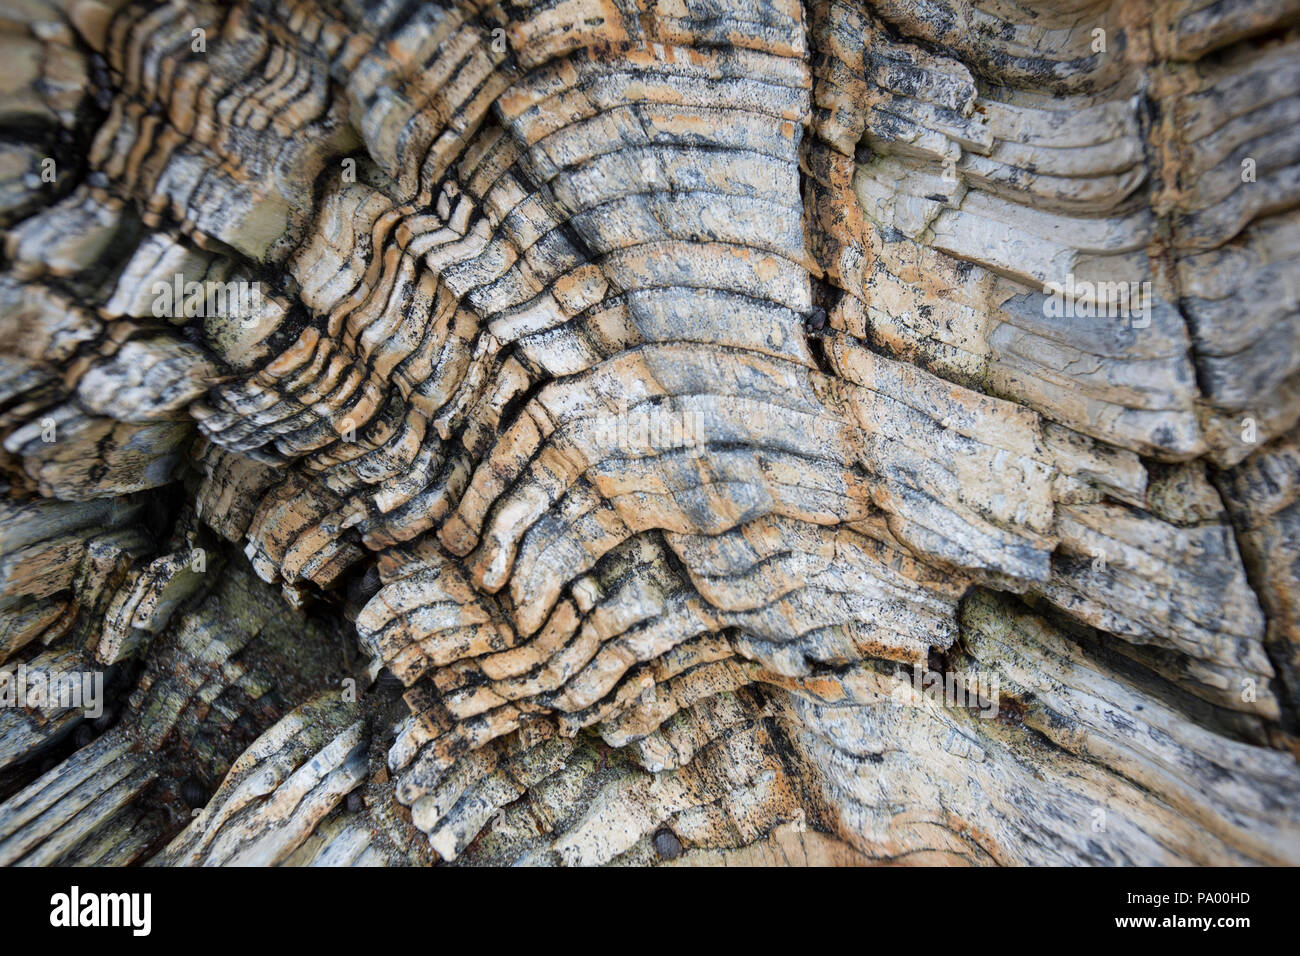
x=650 y=431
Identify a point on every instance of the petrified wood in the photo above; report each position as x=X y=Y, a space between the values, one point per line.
x=590 y=431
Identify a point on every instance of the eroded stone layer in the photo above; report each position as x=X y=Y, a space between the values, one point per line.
x=646 y=431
